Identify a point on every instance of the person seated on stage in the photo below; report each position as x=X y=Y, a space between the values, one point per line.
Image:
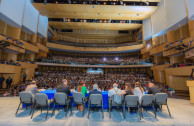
x=153 y=89
x=64 y=88
x=128 y=91
x=32 y=88
x=95 y=91
x=114 y=90
x=138 y=91
x=81 y=88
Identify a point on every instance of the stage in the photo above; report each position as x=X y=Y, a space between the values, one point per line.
x=182 y=114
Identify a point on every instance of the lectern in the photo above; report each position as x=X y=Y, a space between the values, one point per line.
x=190 y=84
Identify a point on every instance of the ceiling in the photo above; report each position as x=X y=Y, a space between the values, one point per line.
x=87 y=11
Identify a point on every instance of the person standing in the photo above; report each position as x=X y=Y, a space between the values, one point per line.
x=1 y=81
x=9 y=82
x=24 y=77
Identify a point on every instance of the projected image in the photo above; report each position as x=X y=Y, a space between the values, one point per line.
x=94 y=70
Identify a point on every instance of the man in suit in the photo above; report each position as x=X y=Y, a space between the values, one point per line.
x=1 y=81
x=64 y=88
x=32 y=88
x=95 y=91
x=153 y=89
x=8 y=82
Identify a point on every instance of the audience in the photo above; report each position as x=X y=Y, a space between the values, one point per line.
x=94 y=60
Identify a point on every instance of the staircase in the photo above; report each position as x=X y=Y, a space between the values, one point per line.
x=183 y=94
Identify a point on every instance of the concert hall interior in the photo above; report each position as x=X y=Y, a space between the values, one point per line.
x=96 y=62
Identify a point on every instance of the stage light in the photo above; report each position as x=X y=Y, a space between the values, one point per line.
x=116 y=58
x=7 y=38
x=104 y=59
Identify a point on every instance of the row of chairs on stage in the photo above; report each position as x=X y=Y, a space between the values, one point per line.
x=61 y=99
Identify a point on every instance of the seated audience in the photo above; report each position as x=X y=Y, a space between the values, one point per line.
x=64 y=88
x=138 y=91
x=128 y=91
x=153 y=89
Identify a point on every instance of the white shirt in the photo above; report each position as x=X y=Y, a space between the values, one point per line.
x=113 y=91
x=138 y=93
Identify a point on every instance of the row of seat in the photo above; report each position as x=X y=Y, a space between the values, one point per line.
x=61 y=99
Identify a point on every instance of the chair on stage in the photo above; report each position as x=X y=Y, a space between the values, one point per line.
x=95 y=100
x=25 y=98
x=131 y=101
x=61 y=99
x=147 y=101
x=112 y=103
x=41 y=100
x=161 y=99
x=79 y=99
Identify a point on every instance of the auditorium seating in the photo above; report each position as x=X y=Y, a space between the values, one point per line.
x=95 y=60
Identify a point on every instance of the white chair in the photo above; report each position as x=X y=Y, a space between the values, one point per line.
x=97 y=100
x=112 y=103
x=61 y=99
x=25 y=98
x=161 y=99
x=78 y=99
x=147 y=101
x=41 y=100
x=131 y=101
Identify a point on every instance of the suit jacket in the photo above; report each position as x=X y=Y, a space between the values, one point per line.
x=154 y=90
x=2 y=79
x=64 y=89
x=95 y=91
x=9 y=81
x=32 y=89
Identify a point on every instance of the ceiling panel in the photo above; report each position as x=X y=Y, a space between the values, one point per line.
x=95 y=11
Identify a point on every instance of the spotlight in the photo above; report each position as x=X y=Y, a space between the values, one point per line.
x=116 y=58
x=104 y=59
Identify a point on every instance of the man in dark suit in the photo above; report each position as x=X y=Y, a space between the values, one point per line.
x=153 y=89
x=64 y=88
x=8 y=82
x=1 y=81
x=95 y=91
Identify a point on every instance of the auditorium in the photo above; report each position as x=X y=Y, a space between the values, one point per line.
x=97 y=62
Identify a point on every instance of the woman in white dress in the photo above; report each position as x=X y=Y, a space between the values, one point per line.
x=138 y=91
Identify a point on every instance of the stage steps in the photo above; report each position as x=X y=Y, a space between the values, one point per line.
x=183 y=93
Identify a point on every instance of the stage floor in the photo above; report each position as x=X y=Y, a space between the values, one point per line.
x=182 y=114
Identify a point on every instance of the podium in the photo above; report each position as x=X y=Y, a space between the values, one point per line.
x=190 y=84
